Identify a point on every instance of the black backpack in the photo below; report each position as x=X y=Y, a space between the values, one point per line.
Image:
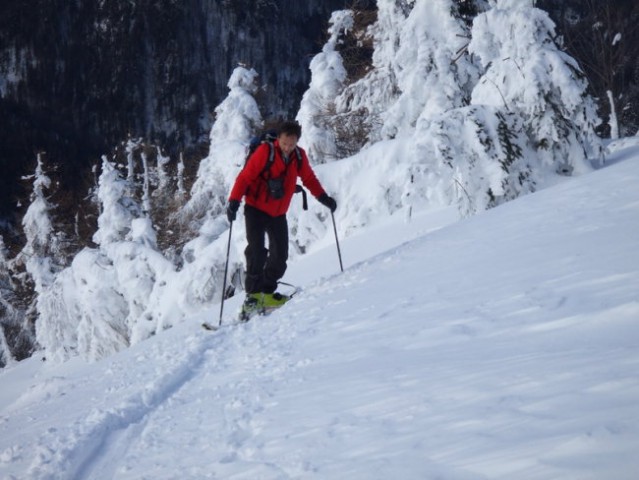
x=268 y=137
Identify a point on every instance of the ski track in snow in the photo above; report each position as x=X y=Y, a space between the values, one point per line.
x=219 y=428
x=90 y=446
x=115 y=430
x=108 y=442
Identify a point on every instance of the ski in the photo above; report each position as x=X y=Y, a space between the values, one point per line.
x=213 y=328
x=210 y=327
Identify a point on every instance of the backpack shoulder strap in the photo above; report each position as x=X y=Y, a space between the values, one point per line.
x=270 y=159
x=298 y=154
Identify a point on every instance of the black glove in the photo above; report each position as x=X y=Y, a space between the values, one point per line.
x=330 y=202
x=231 y=210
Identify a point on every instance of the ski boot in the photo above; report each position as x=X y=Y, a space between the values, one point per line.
x=273 y=301
x=253 y=305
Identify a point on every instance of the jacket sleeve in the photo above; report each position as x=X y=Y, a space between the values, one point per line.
x=308 y=177
x=254 y=166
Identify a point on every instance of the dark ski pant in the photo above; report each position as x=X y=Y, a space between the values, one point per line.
x=265 y=267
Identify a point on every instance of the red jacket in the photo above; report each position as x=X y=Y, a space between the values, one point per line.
x=252 y=183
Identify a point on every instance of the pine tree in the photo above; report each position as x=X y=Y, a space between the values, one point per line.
x=417 y=72
x=118 y=205
x=364 y=102
x=479 y=159
x=40 y=260
x=432 y=76
x=41 y=254
x=100 y=303
x=317 y=109
x=525 y=72
x=84 y=311
x=238 y=118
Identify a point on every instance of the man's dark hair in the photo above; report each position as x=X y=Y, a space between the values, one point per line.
x=291 y=128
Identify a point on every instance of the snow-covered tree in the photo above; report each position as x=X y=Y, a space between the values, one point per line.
x=477 y=158
x=417 y=71
x=118 y=206
x=99 y=304
x=237 y=120
x=41 y=254
x=34 y=268
x=432 y=76
x=530 y=116
x=524 y=72
x=318 y=104
x=146 y=183
x=364 y=102
x=41 y=240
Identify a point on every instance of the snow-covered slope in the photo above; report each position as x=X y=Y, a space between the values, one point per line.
x=502 y=346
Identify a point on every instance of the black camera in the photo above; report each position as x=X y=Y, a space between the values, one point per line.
x=276 y=187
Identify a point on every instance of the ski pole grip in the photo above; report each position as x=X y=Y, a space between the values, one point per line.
x=298 y=189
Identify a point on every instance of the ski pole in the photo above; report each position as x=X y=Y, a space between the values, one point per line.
x=226 y=270
x=339 y=251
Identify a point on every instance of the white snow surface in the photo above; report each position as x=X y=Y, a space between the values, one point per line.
x=502 y=346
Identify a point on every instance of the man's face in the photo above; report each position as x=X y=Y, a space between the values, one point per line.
x=287 y=143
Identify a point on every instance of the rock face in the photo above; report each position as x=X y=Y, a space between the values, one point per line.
x=76 y=77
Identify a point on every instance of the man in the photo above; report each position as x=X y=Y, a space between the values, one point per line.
x=268 y=188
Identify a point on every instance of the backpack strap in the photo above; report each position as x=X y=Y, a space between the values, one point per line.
x=298 y=154
x=299 y=188
x=270 y=159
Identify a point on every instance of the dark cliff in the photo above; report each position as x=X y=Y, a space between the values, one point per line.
x=77 y=77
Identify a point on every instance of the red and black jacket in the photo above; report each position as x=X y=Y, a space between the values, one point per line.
x=251 y=182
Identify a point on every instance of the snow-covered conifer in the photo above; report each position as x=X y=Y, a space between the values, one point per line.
x=417 y=69
x=477 y=158
x=432 y=76
x=327 y=81
x=237 y=119
x=40 y=260
x=36 y=222
x=526 y=73
x=119 y=207
x=41 y=254
x=99 y=304
x=364 y=102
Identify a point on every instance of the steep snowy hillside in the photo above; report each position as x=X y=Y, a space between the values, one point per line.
x=503 y=346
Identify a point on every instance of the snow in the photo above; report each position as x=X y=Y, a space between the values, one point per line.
x=500 y=346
